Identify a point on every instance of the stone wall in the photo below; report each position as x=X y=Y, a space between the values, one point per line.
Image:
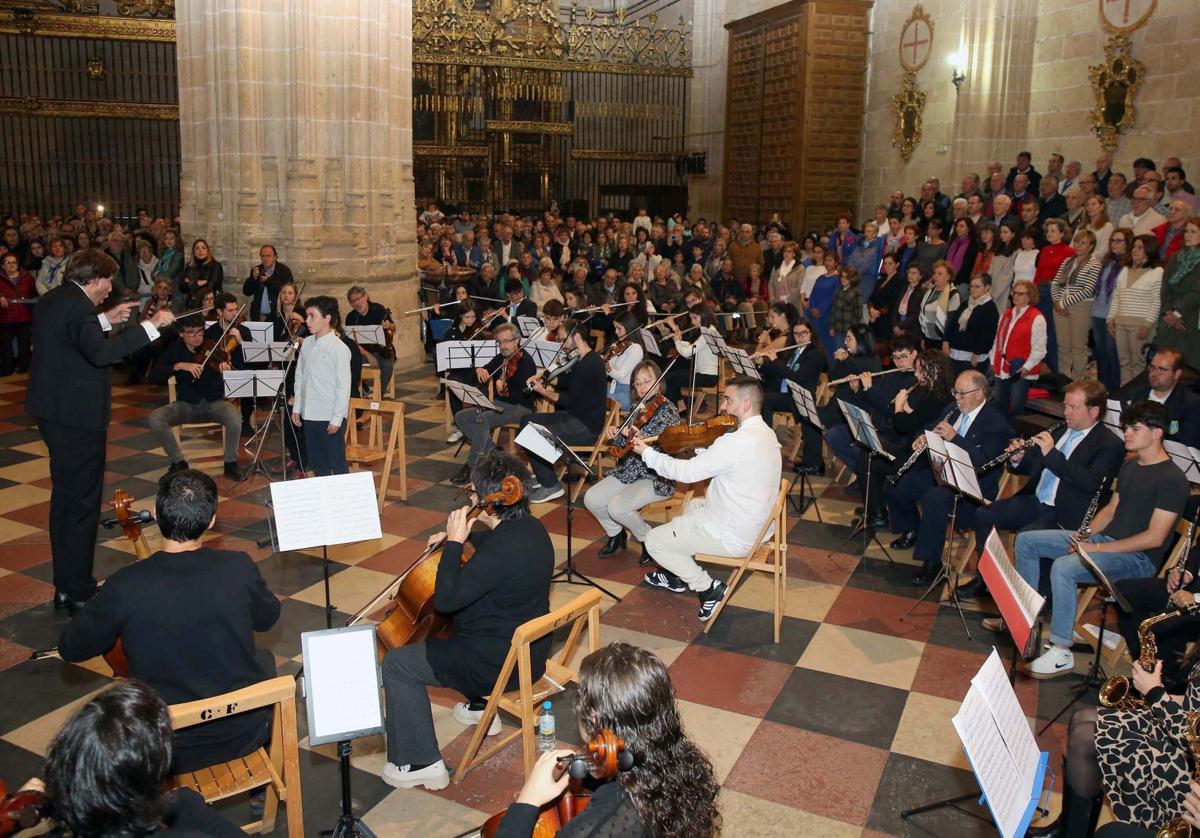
x=296 y=130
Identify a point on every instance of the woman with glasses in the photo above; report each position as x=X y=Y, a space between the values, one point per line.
x=1108 y=364
x=802 y=364
x=1135 y=304
x=1018 y=350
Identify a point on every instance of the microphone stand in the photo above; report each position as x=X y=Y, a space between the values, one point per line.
x=278 y=413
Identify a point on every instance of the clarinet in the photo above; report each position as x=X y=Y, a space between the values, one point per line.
x=1181 y=563
x=1025 y=445
x=894 y=477
x=1085 y=526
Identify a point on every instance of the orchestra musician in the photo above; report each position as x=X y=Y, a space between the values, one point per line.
x=156 y=606
x=516 y=304
x=552 y=329
x=1164 y=385
x=228 y=311
x=621 y=358
x=781 y=320
x=199 y=395
x=701 y=320
x=1129 y=536
x=983 y=432
x=510 y=369
x=803 y=365
x=580 y=402
x=505 y=583
x=744 y=469
x=363 y=312
x=70 y=385
x=1065 y=471
x=671 y=788
x=289 y=314
x=617 y=499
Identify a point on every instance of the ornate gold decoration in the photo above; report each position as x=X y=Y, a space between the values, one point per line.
x=610 y=39
x=916 y=40
x=146 y=8
x=31 y=106
x=908 y=106
x=449 y=151
x=95 y=68
x=1121 y=17
x=83 y=7
x=1115 y=83
x=626 y=110
x=629 y=156
x=523 y=127
x=54 y=24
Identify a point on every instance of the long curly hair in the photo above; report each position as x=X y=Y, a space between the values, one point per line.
x=628 y=690
x=938 y=374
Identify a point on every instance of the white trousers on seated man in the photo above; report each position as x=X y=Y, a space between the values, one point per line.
x=674 y=546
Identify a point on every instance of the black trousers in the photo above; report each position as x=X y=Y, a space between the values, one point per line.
x=77 y=457
x=1019 y=512
x=1149 y=597
x=811 y=443
x=680 y=376
x=23 y=332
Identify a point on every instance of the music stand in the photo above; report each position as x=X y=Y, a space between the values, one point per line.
x=470 y=395
x=953 y=469
x=741 y=362
x=541 y=442
x=528 y=326
x=1186 y=457
x=867 y=437
x=253 y=384
x=261 y=331
x=275 y=351
x=465 y=354
x=806 y=407
x=1112 y=418
x=366 y=335
x=648 y=342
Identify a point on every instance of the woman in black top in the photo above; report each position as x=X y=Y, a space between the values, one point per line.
x=204 y=273
x=882 y=304
x=971 y=341
x=802 y=364
x=670 y=790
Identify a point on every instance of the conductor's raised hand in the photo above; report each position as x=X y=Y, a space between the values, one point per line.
x=162 y=318
x=121 y=311
x=457 y=525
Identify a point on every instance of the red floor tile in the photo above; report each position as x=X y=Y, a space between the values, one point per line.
x=657 y=612
x=882 y=614
x=19 y=592
x=12 y=653
x=19 y=555
x=746 y=684
x=583 y=524
x=819 y=565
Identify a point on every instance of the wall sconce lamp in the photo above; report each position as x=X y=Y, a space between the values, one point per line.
x=956 y=61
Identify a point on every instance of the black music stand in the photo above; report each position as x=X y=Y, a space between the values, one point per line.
x=255 y=384
x=806 y=407
x=545 y=444
x=866 y=437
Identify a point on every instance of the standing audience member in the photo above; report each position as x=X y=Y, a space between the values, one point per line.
x=1019 y=349
x=1180 y=301
x=16 y=319
x=1135 y=305
x=1108 y=363
x=1073 y=289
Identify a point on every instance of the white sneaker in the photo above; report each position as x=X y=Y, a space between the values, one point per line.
x=468 y=717
x=433 y=777
x=1052 y=663
x=455 y=436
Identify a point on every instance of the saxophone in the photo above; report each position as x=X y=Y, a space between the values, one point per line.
x=1117 y=691
x=1178 y=827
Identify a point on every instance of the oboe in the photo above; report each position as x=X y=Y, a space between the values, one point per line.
x=1181 y=563
x=1085 y=526
x=895 y=476
x=1025 y=445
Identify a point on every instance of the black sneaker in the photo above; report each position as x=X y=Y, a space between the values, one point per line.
x=710 y=598
x=666 y=580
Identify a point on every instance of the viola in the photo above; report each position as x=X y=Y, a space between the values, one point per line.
x=21 y=810
x=682 y=439
x=213 y=353
x=619 y=451
x=389 y=335
x=410 y=617
x=606 y=756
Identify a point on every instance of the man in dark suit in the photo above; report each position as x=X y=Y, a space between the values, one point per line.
x=69 y=394
x=1024 y=167
x=159 y=606
x=517 y=305
x=1164 y=386
x=1065 y=472
x=983 y=432
x=264 y=282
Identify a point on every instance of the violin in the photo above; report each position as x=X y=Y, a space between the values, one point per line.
x=510 y=369
x=21 y=810
x=389 y=334
x=681 y=439
x=410 y=617
x=619 y=451
x=565 y=361
x=606 y=757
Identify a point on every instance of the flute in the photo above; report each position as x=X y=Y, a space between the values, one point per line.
x=843 y=380
x=1025 y=445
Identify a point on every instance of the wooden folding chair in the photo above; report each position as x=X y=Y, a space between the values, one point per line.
x=275 y=766
x=384 y=416
x=206 y=426
x=528 y=697
x=769 y=554
x=967 y=550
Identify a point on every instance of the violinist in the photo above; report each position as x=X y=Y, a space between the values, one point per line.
x=509 y=370
x=701 y=320
x=233 y=335
x=744 y=469
x=671 y=788
x=157 y=606
x=289 y=315
x=802 y=364
x=363 y=312
x=516 y=305
x=141 y=360
x=581 y=403
x=505 y=583
x=199 y=395
x=629 y=486
x=553 y=315
x=620 y=358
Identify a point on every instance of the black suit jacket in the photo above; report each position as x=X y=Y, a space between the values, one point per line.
x=1183 y=409
x=252 y=288
x=69 y=379
x=988 y=435
x=1096 y=457
x=810 y=365
x=527 y=308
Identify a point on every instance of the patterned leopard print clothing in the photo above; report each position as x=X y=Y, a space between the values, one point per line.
x=1144 y=759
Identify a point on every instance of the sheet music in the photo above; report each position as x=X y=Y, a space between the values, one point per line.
x=531 y=439
x=342 y=683
x=528 y=326
x=649 y=343
x=863 y=429
x=741 y=362
x=319 y=511
x=806 y=404
x=965 y=478
x=367 y=335
x=260 y=331
x=1025 y=595
x=241 y=384
x=267 y=352
x=994 y=686
x=464 y=354
x=469 y=394
x=1002 y=782
x=716 y=343
x=1112 y=418
x=541 y=351
x=1186 y=457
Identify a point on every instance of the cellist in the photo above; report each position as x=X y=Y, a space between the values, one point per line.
x=505 y=583
x=617 y=499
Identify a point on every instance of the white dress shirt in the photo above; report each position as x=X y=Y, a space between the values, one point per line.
x=323 y=380
x=744 y=467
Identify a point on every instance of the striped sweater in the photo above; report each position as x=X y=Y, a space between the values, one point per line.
x=1075 y=283
x=1135 y=302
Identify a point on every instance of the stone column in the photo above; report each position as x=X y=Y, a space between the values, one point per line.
x=296 y=131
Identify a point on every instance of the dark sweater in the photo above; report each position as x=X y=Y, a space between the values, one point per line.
x=582 y=392
x=187 y=816
x=209 y=387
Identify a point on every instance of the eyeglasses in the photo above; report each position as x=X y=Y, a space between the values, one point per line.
x=957 y=393
x=1162 y=369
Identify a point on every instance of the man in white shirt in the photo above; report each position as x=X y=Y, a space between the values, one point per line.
x=1143 y=219
x=1074 y=168
x=744 y=468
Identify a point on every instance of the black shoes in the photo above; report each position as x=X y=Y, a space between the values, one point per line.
x=614 y=545
x=904 y=541
x=921 y=579
x=877 y=521
x=646 y=557
x=64 y=602
x=801 y=468
x=462 y=477
x=247 y=430
x=971 y=590
x=234 y=473
x=710 y=599
x=178 y=465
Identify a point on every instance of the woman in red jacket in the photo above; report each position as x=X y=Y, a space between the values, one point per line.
x=16 y=319
x=1056 y=251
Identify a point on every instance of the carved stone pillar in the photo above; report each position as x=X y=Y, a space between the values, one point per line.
x=296 y=131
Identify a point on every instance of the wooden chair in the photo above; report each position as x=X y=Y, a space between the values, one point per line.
x=768 y=554
x=528 y=697
x=207 y=426
x=598 y=337
x=275 y=766
x=392 y=452
x=370 y=375
x=593 y=453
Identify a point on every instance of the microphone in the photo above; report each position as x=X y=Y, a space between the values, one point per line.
x=143 y=517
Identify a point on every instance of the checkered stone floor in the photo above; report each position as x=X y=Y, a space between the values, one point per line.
x=831 y=732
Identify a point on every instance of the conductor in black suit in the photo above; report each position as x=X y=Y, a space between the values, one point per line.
x=264 y=282
x=70 y=396
x=1065 y=472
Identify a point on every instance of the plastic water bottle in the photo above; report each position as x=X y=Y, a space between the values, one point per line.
x=546 y=740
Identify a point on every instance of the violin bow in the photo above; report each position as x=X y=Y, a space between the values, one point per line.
x=637 y=409
x=520 y=346
x=224 y=332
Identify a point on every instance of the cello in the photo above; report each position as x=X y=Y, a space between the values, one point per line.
x=21 y=810
x=606 y=756
x=410 y=617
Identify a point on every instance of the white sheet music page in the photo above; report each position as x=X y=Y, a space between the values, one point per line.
x=343 y=685
x=998 y=775
x=992 y=681
x=320 y=511
x=1025 y=594
x=964 y=471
